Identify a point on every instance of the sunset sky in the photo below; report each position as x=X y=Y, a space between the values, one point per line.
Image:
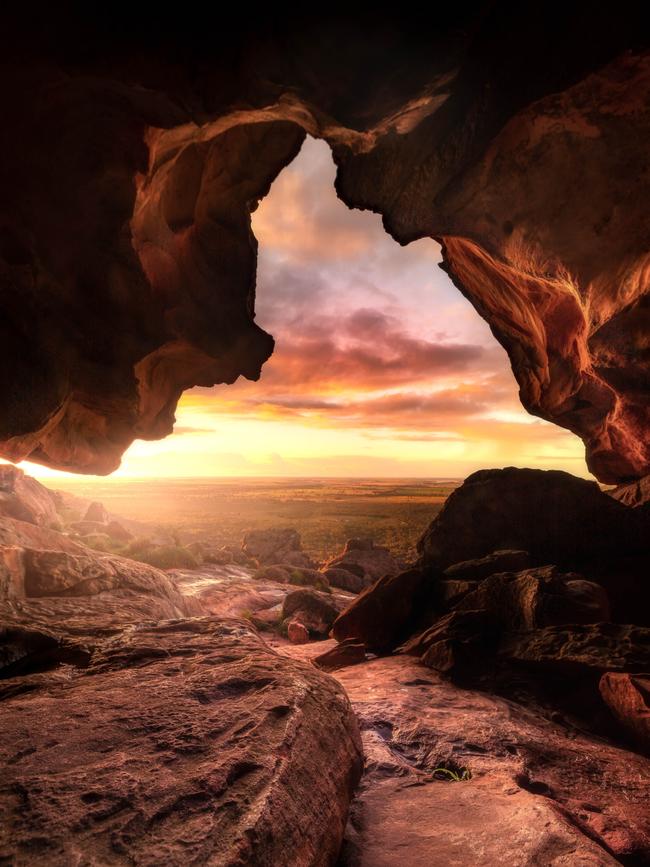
x=381 y=367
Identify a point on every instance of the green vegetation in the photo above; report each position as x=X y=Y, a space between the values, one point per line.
x=460 y=775
x=164 y=556
x=326 y=512
x=301 y=579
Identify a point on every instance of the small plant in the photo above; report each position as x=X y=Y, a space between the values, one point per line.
x=298 y=578
x=462 y=775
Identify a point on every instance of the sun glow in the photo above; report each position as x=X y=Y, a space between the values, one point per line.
x=381 y=367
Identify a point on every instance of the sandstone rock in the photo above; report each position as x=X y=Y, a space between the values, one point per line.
x=628 y=697
x=58 y=573
x=314 y=611
x=450 y=592
x=25 y=535
x=521 y=601
x=17 y=643
x=191 y=740
x=297 y=632
x=25 y=499
x=96 y=512
x=633 y=494
x=363 y=557
x=349 y=652
x=581 y=648
x=345 y=579
x=461 y=642
x=277 y=545
x=387 y=612
x=12 y=573
x=540 y=792
x=435 y=139
x=557 y=517
x=483 y=567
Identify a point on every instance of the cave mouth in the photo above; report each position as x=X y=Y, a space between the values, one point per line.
x=174 y=695
x=380 y=367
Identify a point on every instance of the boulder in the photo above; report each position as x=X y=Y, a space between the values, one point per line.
x=457 y=644
x=297 y=632
x=96 y=512
x=388 y=611
x=581 y=648
x=58 y=573
x=183 y=742
x=520 y=601
x=364 y=558
x=483 y=567
x=346 y=579
x=26 y=535
x=628 y=697
x=556 y=517
x=276 y=545
x=313 y=610
x=25 y=499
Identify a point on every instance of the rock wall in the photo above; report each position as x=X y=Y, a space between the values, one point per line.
x=132 y=157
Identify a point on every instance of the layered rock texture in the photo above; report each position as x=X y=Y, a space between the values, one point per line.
x=190 y=742
x=129 y=171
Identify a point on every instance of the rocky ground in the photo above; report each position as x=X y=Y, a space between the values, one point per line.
x=486 y=704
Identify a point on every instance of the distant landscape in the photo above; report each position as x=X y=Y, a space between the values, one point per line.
x=325 y=511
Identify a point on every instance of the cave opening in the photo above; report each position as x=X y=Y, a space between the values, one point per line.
x=290 y=633
x=381 y=368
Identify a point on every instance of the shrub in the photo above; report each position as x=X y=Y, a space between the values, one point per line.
x=161 y=556
x=305 y=579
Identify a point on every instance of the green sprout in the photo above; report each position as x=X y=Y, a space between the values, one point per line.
x=462 y=775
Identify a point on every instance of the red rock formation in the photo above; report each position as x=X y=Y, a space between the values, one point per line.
x=628 y=697
x=25 y=499
x=191 y=741
x=540 y=790
x=127 y=264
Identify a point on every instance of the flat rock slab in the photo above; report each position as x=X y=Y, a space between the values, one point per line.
x=186 y=742
x=460 y=824
x=540 y=793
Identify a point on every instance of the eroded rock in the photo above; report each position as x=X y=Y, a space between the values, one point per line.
x=386 y=612
x=25 y=499
x=365 y=559
x=483 y=567
x=191 y=739
x=581 y=649
x=276 y=546
x=519 y=184
x=539 y=790
x=521 y=601
x=315 y=611
x=628 y=697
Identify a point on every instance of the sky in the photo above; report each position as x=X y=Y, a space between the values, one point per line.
x=381 y=368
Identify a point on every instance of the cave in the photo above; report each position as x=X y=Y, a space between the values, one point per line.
x=494 y=687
